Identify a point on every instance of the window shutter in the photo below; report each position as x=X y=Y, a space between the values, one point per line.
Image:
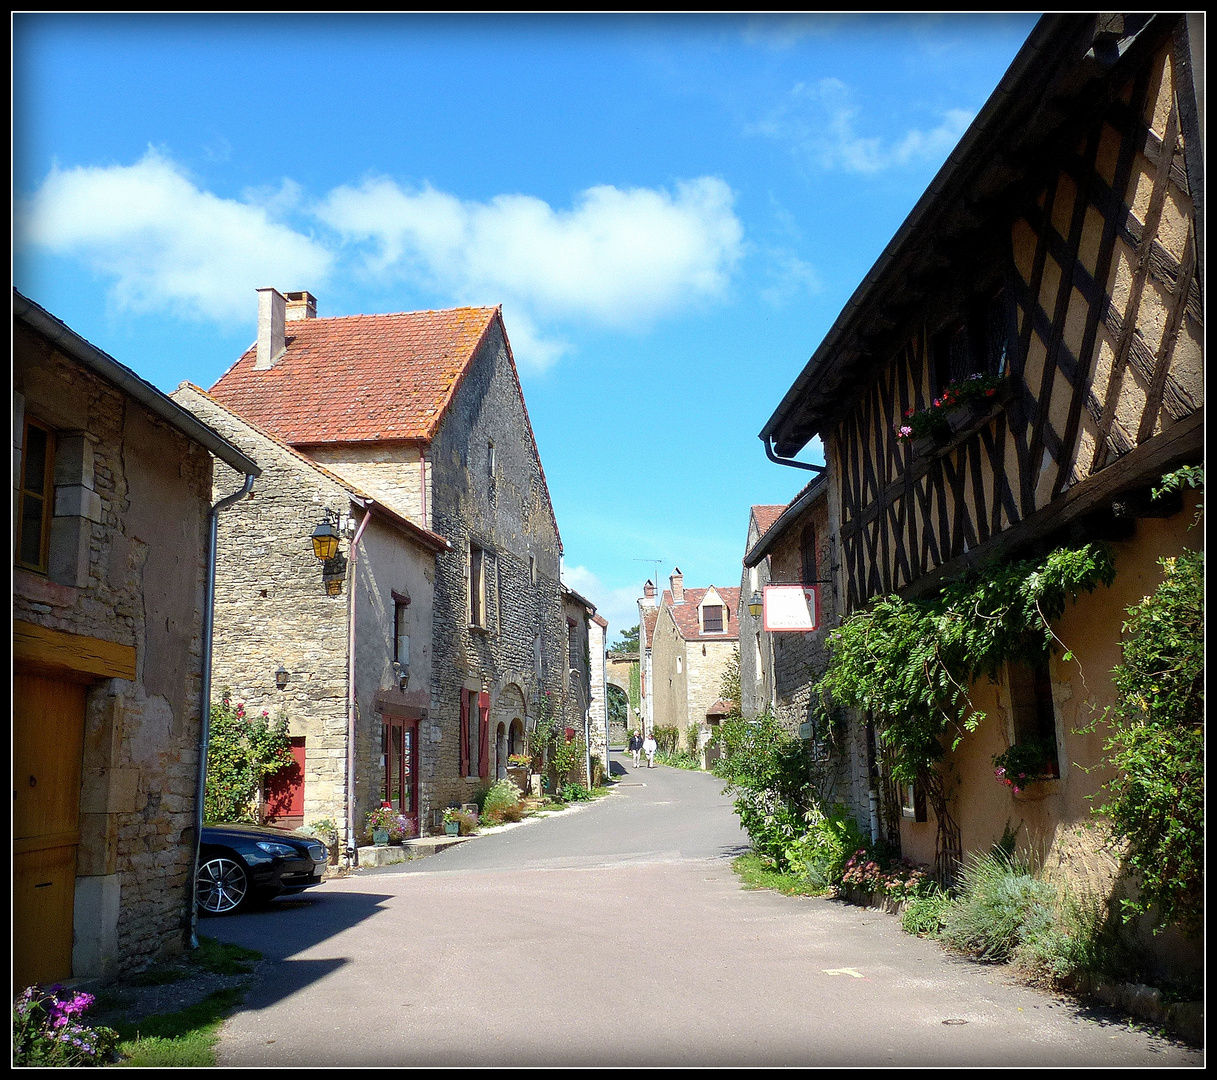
x=464 y=732
x=484 y=727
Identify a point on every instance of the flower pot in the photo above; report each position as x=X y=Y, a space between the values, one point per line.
x=452 y=828
x=380 y=837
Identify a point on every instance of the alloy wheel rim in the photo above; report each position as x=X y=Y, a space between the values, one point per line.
x=222 y=886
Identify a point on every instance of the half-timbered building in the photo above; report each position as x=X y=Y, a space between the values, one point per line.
x=1057 y=257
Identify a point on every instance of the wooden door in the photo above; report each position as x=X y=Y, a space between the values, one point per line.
x=401 y=769
x=285 y=791
x=48 y=741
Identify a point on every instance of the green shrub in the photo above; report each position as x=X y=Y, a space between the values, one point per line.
x=1080 y=937
x=925 y=915
x=500 y=801
x=573 y=792
x=679 y=759
x=666 y=739
x=241 y=753
x=1000 y=905
x=821 y=853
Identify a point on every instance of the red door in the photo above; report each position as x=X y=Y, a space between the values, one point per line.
x=285 y=791
x=401 y=769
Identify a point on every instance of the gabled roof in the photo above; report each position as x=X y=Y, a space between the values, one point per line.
x=685 y=614
x=359 y=378
x=766 y=516
x=416 y=532
x=812 y=493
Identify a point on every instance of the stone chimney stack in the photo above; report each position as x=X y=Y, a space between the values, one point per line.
x=271 y=317
x=678 y=586
x=301 y=305
x=648 y=594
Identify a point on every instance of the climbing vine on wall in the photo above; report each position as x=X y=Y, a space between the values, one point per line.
x=910 y=663
x=242 y=751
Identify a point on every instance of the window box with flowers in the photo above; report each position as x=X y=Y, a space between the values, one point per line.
x=961 y=406
x=1026 y=766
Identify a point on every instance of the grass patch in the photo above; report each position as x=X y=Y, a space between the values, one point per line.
x=180 y=1039
x=755 y=873
x=223 y=958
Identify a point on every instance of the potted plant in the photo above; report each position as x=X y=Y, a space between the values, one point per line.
x=1025 y=762
x=382 y=821
x=452 y=821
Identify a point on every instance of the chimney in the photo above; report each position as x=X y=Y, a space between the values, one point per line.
x=301 y=305
x=648 y=594
x=270 y=329
x=678 y=586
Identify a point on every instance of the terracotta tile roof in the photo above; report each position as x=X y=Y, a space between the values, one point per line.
x=720 y=708
x=766 y=516
x=360 y=378
x=650 y=616
x=685 y=615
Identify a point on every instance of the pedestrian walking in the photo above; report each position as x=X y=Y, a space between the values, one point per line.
x=636 y=747
x=649 y=747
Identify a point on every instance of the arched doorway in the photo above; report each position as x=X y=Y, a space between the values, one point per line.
x=515 y=737
x=506 y=715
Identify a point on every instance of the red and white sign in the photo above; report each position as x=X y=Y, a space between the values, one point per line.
x=792 y=608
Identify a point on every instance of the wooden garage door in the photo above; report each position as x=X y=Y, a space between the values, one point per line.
x=48 y=736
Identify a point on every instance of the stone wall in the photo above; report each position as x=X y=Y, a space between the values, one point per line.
x=670 y=689
x=706 y=662
x=130 y=569
x=507 y=513
x=390 y=472
x=599 y=707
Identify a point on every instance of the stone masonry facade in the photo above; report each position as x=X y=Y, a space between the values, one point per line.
x=128 y=566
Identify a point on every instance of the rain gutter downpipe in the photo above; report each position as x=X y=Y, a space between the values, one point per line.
x=209 y=603
x=352 y=847
x=766 y=438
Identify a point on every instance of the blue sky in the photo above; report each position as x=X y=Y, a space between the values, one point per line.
x=672 y=211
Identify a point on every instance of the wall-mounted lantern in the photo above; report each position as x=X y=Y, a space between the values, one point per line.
x=325 y=539
x=281 y=678
x=333 y=573
x=402 y=671
x=756 y=605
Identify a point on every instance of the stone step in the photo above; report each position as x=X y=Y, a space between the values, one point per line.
x=409 y=849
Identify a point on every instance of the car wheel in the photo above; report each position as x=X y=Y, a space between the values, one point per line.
x=223 y=886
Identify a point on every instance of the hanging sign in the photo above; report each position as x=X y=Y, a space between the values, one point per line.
x=792 y=608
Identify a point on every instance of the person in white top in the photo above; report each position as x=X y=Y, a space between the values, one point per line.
x=649 y=747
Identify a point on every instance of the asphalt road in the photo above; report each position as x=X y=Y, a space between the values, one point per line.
x=617 y=934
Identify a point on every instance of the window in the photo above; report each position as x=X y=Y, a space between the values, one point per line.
x=978 y=344
x=490 y=469
x=37 y=496
x=477 y=585
x=712 y=619
x=401 y=632
x=1033 y=718
x=680 y=665
x=532 y=569
x=572 y=643
x=807 y=551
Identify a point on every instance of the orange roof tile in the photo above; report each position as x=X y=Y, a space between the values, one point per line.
x=361 y=378
x=650 y=616
x=765 y=517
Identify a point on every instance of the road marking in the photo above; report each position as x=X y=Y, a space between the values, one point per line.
x=844 y=971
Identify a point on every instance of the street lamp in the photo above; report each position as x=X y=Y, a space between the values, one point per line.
x=325 y=539
x=756 y=605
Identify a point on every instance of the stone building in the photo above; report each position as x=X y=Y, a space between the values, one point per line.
x=696 y=632
x=112 y=486
x=298 y=619
x=585 y=707
x=424 y=412
x=1057 y=256
x=790 y=545
x=648 y=616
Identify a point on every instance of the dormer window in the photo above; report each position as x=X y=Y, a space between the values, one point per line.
x=712 y=619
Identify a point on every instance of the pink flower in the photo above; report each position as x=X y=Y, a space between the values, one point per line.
x=905 y=431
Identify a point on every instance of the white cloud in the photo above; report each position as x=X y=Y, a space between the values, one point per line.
x=819 y=120
x=789 y=278
x=166 y=243
x=617 y=258
x=618 y=606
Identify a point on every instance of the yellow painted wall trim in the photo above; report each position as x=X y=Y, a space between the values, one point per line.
x=75 y=652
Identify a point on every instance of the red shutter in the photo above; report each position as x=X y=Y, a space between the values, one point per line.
x=464 y=732
x=484 y=726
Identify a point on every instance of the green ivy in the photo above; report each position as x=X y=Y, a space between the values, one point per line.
x=910 y=663
x=1156 y=799
x=241 y=752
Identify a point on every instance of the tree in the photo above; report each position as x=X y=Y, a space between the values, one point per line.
x=628 y=642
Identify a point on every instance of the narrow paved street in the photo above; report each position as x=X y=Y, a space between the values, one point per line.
x=617 y=934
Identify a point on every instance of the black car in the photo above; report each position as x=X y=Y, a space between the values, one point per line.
x=240 y=863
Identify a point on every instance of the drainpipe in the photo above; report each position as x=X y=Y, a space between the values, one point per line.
x=209 y=602
x=352 y=848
